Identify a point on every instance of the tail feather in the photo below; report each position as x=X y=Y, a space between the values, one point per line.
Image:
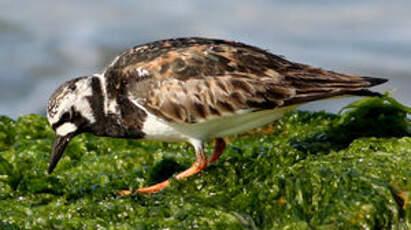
x=314 y=89
x=365 y=93
x=374 y=81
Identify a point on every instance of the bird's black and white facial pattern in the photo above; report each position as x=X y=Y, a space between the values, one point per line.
x=69 y=106
x=69 y=113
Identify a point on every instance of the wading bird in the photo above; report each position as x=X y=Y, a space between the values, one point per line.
x=192 y=90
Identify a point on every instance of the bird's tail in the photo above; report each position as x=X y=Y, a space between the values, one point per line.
x=373 y=81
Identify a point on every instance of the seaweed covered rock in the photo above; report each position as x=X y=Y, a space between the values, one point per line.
x=305 y=171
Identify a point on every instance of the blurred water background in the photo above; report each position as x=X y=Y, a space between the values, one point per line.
x=46 y=42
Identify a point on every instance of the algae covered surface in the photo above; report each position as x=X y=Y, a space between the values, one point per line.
x=304 y=171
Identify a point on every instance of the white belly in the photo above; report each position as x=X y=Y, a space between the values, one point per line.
x=157 y=129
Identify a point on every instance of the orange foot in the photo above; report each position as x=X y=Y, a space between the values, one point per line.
x=124 y=192
x=154 y=188
x=198 y=166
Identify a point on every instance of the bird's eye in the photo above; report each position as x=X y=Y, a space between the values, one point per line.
x=65 y=117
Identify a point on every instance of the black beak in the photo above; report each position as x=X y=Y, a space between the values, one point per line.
x=59 y=145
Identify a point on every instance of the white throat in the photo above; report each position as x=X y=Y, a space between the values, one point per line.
x=65 y=129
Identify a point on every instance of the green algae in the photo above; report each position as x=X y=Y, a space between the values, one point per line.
x=312 y=171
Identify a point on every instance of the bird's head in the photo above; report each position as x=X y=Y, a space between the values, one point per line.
x=69 y=113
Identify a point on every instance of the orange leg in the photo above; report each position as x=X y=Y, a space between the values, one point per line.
x=218 y=150
x=198 y=166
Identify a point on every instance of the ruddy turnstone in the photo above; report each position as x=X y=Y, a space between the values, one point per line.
x=192 y=90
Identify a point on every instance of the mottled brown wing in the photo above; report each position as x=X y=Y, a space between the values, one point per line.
x=188 y=58
x=200 y=99
x=193 y=79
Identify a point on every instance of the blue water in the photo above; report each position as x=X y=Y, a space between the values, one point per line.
x=45 y=42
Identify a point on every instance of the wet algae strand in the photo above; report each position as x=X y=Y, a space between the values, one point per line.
x=305 y=171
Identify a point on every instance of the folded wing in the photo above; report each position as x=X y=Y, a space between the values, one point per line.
x=190 y=80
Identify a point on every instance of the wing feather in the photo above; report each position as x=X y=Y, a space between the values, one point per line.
x=200 y=99
x=195 y=79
